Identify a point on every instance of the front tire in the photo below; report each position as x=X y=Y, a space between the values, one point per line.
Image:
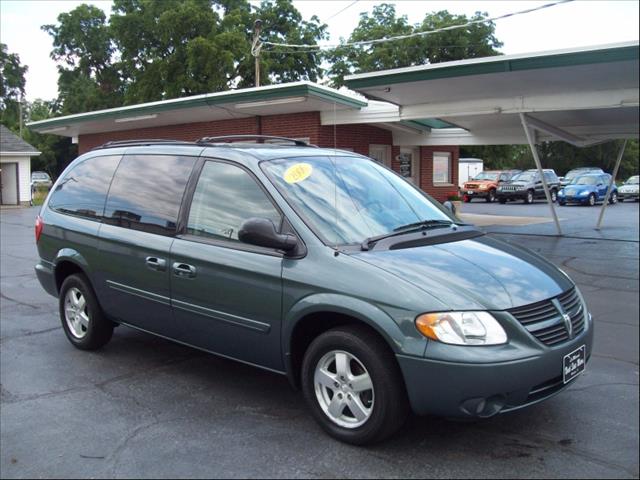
x=592 y=200
x=502 y=201
x=353 y=385
x=529 y=198
x=492 y=196
x=82 y=318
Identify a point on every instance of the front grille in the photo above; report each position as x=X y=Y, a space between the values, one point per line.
x=544 y=319
x=471 y=185
x=509 y=188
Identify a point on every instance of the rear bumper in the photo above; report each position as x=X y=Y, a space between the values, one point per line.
x=478 y=390
x=46 y=277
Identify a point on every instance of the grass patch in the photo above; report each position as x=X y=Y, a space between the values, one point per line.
x=38 y=196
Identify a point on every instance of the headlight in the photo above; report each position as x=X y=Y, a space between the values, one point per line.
x=584 y=193
x=462 y=328
x=483 y=187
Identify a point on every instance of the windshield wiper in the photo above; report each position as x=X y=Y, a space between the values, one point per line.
x=425 y=224
x=410 y=227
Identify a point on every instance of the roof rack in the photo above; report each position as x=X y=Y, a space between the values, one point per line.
x=141 y=142
x=258 y=138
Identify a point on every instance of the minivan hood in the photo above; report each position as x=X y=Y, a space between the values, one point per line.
x=480 y=273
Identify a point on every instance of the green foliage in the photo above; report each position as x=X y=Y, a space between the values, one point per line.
x=474 y=41
x=560 y=156
x=11 y=87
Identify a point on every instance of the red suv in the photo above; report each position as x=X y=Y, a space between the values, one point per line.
x=484 y=185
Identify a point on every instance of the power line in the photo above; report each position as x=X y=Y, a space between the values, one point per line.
x=416 y=34
x=340 y=11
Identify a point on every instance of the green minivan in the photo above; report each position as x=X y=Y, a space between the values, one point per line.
x=318 y=264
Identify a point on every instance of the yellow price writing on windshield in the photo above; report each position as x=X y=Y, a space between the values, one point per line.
x=298 y=172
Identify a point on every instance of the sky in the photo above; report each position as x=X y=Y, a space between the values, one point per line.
x=574 y=24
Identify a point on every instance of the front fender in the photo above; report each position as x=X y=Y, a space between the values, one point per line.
x=403 y=340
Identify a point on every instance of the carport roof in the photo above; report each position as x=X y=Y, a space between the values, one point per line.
x=585 y=95
x=267 y=100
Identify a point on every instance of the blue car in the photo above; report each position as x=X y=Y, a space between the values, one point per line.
x=588 y=190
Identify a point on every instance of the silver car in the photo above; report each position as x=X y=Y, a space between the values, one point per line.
x=40 y=179
x=630 y=189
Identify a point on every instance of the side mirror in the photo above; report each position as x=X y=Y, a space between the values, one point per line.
x=262 y=232
x=449 y=206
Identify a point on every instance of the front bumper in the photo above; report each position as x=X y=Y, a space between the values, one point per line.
x=573 y=199
x=476 y=389
x=628 y=195
x=519 y=194
x=476 y=193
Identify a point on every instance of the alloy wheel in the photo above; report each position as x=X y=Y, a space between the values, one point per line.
x=344 y=389
x=76 y=313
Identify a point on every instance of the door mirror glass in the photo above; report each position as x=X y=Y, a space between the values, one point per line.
x=449 y=206
x=262 y=232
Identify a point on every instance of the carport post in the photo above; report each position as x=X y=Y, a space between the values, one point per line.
x=613 y=178
x=536 y=158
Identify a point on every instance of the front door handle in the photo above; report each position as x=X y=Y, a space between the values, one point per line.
x=155 y=263
x=184 y=270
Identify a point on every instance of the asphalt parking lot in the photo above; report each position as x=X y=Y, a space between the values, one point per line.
x=145 y=407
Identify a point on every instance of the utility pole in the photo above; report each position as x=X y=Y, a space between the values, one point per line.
x=255 y=48
x=20 y=114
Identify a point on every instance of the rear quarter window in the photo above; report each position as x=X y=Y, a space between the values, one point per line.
x=83 y=189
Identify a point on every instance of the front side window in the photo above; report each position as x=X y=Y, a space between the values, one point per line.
x=83 y=189
x=146 y=192
x=348 y=199
x=441 y=167
x=226 y=196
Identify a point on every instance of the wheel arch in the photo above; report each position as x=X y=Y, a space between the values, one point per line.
x=317 y=314
x=68 y=262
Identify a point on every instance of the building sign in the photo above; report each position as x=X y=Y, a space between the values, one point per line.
x=405 y=164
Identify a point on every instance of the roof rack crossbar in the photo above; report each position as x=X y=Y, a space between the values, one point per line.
x=259 y=138
x=142 y=142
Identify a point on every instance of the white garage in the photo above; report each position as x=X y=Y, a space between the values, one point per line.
x=15 y=168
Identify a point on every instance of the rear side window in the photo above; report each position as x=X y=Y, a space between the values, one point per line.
x=146 y=192
x=226 y=196
x=83 y=190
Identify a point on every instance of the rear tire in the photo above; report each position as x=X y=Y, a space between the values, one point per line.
x=613 y=199
x=83 y=321
x=330 y=390
x=554 y=196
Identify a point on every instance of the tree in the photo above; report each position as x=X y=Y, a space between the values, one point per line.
x=56 y=152
x=88 y=77
x=477 y=40
x=178 y=48
x=12 y=84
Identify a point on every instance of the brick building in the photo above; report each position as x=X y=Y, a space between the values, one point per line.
x=300 y=110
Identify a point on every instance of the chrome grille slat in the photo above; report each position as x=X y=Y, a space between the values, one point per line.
x=537 y=313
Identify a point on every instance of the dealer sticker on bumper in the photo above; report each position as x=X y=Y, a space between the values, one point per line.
x=573 y=364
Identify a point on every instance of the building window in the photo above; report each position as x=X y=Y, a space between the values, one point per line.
x=441 y=168
x=381 y=154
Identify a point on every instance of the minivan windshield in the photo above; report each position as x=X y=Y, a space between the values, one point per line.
x=487 y=176
x=346 y=200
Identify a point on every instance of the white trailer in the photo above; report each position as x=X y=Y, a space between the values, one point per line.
x=468 y=168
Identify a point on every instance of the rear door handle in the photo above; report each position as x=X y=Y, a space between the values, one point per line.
x=155 y=263
x=184 y=270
